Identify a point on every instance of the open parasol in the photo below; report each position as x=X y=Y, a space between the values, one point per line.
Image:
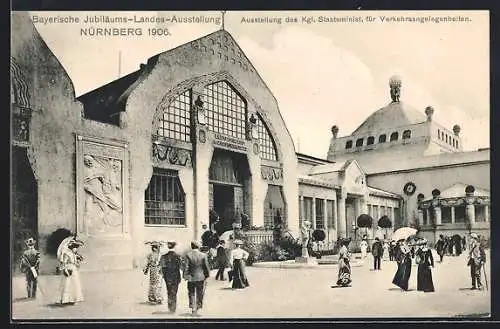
x=226 y=236
x=403 y=233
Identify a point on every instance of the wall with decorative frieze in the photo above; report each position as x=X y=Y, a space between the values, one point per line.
x=193 y=65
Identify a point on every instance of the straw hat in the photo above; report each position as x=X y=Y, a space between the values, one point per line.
x=238 y=242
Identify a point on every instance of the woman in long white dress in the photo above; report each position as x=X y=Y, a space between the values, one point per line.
x=237 y=261
x=71 y=289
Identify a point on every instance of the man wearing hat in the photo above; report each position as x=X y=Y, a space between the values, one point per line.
x=477 y=258
x=171 y=268
x=377 y=251
x=30 y=263
x=196 y=271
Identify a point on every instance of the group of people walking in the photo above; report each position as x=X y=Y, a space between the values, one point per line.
x=424 y=260
x=195 y=270
x=405 y=253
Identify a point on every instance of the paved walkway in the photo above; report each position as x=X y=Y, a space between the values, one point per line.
x=274 y=293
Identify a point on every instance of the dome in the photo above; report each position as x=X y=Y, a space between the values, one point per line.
x=395 y=114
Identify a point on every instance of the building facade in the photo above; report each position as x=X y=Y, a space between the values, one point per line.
x=404 y=151
x=196 y=132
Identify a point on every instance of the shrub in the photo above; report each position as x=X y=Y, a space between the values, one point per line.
x=291 y=246
x=55 y=239
x=318 y=235
x=268 y=251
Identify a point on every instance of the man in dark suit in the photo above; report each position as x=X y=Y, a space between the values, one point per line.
x=196 y=272
x=171 y=268
x=377 y=252
x=221 y=261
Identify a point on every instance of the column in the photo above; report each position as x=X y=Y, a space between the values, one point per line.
x=486 y=213
x=325 y=217
x=420 y=217
x=453 y=215
x=341 y=221
x=471 y=213
x=428 y=215
x=314 y=213
x=301 y=209
x=437 y=215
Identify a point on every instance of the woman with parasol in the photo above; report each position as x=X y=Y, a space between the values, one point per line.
x=70 y=263
x=154 y=269
x=403 y=257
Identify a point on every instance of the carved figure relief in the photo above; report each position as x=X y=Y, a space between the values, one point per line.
x=103 y=194
x=200 y=110
x=252 y=128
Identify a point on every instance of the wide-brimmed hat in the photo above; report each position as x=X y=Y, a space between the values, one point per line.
x=156 y=244
x=238 y=242
x=422 y=242
x=474 y=236
x=195 y=244
x=171 y=244
x=74 y=243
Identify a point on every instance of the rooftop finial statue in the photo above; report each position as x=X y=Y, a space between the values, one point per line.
x=395 y=84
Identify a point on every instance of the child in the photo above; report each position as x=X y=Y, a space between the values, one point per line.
x=30 y=263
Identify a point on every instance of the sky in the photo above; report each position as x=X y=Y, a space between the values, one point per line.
x=321 y=73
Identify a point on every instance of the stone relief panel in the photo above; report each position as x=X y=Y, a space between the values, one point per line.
x=102 y=188
x=103 y=194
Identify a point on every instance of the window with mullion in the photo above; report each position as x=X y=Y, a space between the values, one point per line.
x=175 y=122
x=164 y=202
x=226 y=110
x=267 y=145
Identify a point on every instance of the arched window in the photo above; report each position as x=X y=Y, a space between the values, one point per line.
x=164 y=199
x=359 y=142
x=406 y=134
x=175 y=122
x=382 y=138
x=348 y=144
x=226 y=110
x=370 y=140
x=394 y=136
x=267 y=145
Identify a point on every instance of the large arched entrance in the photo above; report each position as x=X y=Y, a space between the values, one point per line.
x=229 y=180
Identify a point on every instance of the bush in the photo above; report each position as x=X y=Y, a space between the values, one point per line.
x=318 y=235
x=55 y=239
x=291 y=246
x=268 y=251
